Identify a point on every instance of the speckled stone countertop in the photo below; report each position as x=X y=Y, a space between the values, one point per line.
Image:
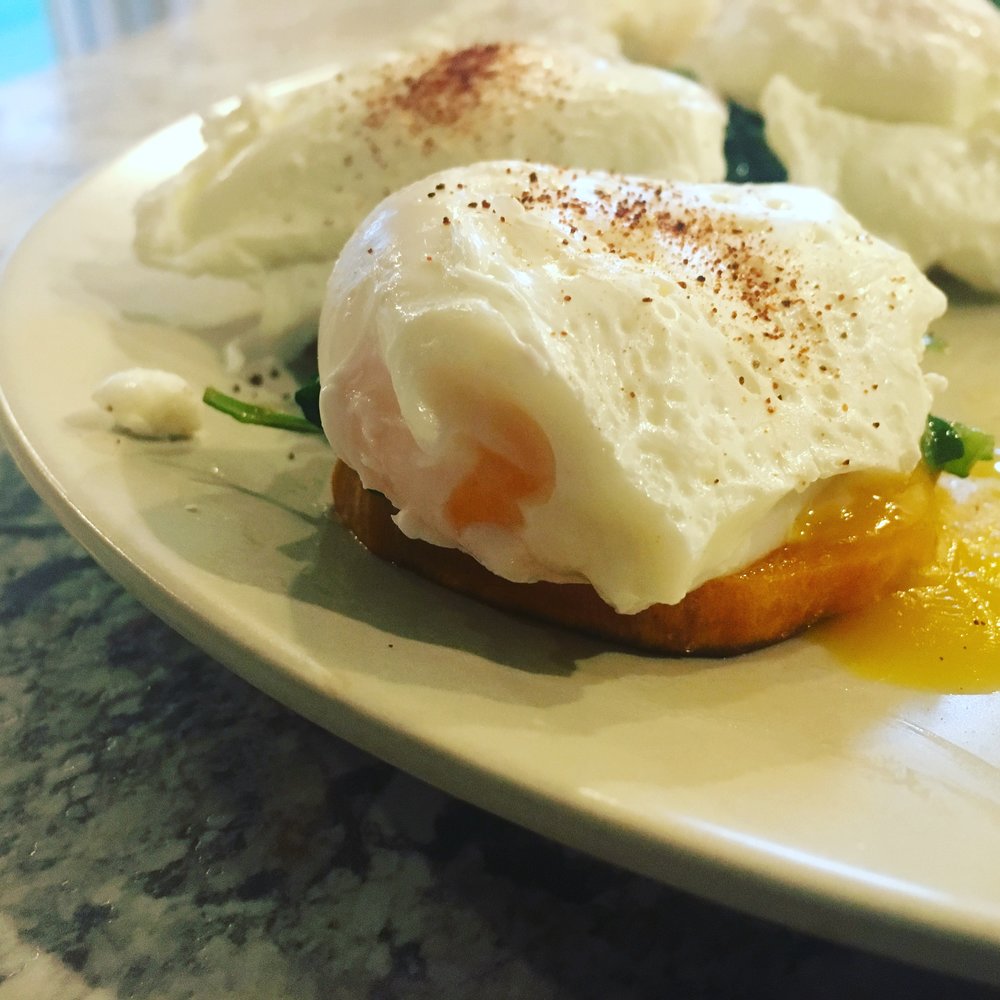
x=167 y=831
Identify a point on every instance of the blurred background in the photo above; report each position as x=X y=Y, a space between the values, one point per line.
x=36 y=33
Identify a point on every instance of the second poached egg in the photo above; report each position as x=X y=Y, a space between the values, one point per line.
x=285 y=178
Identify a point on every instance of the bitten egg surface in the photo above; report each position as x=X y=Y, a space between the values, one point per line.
x=575 y=376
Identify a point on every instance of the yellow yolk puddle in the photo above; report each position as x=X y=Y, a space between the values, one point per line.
x=867 y=505
x=943 y=633
x=493 y=491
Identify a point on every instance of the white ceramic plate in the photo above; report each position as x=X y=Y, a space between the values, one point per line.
x=777 y=782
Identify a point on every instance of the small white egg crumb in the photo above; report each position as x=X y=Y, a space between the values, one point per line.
x=150 y=403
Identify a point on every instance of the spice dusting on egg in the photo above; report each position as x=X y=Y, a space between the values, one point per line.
x=452 y=86
x=729 y=263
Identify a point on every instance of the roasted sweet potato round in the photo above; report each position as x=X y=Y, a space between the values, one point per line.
x=840 y=560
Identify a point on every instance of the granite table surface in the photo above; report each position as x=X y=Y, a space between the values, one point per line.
x=167 y=831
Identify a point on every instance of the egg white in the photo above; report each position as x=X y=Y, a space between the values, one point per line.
x=150 y=403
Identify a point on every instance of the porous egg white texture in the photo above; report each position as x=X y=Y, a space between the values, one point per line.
x=893 y=108
x=575 y=376
x=284 y=179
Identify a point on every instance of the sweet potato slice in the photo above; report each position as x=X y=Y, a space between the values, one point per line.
x=815 y=577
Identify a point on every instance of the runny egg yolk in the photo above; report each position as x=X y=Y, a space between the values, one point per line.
x=866 y=506
x=943 y=632
x=515 y=468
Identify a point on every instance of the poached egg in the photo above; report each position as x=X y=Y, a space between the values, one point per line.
x=578 y=376
x=935 y=61
x=893 y=108
x=931 y=190
x=285 y=178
